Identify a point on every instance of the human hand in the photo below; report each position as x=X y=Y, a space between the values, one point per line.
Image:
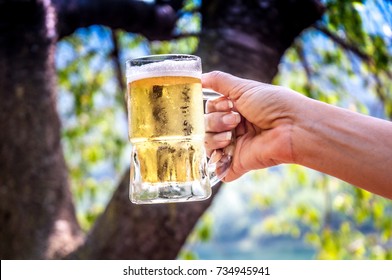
x=262 y=115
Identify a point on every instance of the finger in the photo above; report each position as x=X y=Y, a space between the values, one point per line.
x=216 y=156
x=221 y=121
x=219 y=104
x=223 y=83
x=213 y=141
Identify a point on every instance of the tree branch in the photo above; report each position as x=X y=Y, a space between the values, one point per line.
x=298 y=47
x=350 y=47
x=155 y=21
x=115 y=55
x=364 y=57
x=344 y=44
x=186 y=35
x=382 y=94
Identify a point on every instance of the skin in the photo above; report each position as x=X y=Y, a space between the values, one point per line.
x=275 y=125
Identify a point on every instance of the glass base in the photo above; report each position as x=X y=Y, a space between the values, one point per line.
x=148 y=193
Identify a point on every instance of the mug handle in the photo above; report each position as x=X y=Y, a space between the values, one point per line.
x=219 y=163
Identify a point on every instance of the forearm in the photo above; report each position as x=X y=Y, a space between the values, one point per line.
x=353 y=147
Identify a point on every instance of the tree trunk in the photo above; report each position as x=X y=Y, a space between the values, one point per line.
x=248 y=38
x=36 y=211
x=37 y=216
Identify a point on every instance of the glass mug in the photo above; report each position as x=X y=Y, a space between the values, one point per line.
x=166 y=131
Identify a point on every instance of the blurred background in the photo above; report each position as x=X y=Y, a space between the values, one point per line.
x=336 y=51
x=285 y=212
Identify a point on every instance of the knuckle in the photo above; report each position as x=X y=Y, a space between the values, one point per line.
x=216 y=74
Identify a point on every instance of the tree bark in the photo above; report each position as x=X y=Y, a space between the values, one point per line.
x=36 y=210
x=155 y=21
x=248 y=38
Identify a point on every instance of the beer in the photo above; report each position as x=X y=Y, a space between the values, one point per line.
x=166 y=128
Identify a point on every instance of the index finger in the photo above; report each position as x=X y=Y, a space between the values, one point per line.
x=223 y=83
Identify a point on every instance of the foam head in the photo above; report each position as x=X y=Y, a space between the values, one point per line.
x=163 y=65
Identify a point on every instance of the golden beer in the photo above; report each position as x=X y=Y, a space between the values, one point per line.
x=166 y=129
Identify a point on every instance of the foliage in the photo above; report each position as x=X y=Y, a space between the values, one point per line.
x=94 y=131
x=342 y=61
x=336 y=219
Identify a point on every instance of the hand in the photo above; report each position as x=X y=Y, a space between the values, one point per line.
x=276 y=125
x=263 y=117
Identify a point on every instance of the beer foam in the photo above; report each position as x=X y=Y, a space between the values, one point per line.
x=187 y=68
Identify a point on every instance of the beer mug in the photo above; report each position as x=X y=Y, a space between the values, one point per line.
x=166 y=131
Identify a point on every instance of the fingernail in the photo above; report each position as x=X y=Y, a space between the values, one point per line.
x=230 y=119
x=224 y=105
x=215 y=157
x=229 y=150
x=224 y=136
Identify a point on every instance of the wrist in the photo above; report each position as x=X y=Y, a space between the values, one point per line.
x=289 y=125
x=306 y=117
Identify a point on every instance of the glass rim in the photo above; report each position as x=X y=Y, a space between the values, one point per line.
x=161 y=57
x=178 y=65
